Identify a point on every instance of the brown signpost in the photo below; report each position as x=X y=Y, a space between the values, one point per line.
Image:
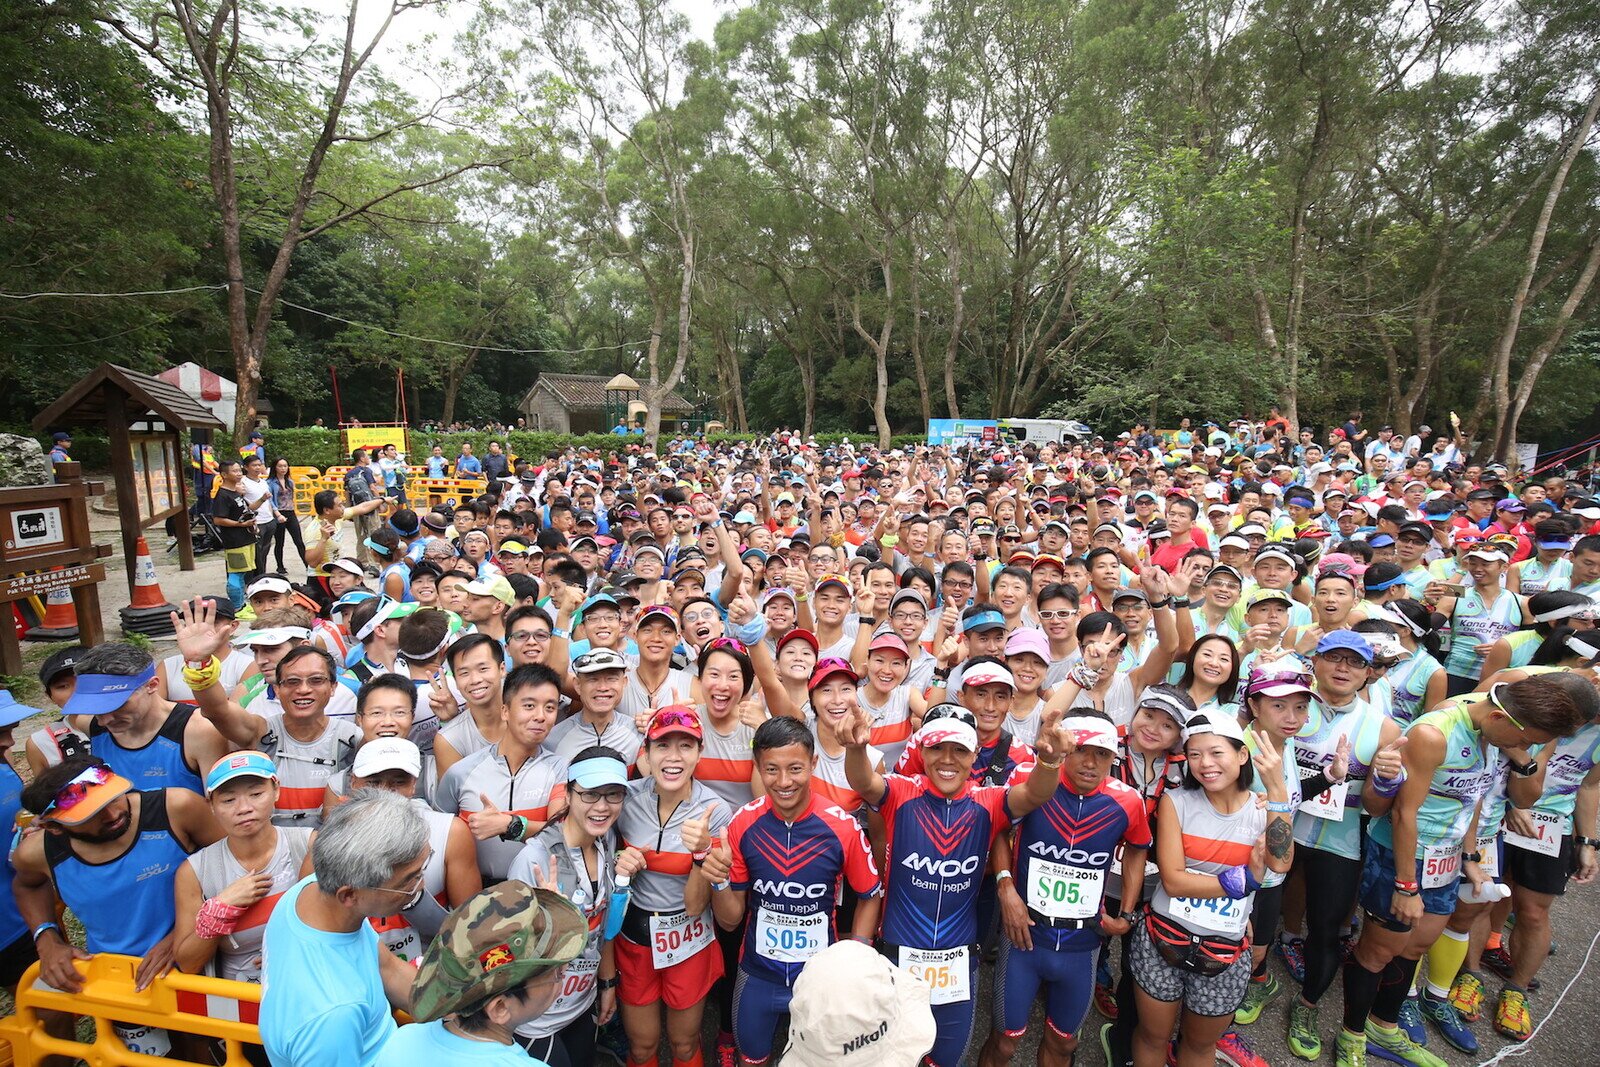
x=45 y=546
x=148 y=464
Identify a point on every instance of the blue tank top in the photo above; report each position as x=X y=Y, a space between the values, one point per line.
x=12 y=925
x=160 y=763
x=127 y=903
x=404 y=571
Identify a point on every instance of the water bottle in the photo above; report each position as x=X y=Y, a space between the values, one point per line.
x=620 y=894
x=1488 y=893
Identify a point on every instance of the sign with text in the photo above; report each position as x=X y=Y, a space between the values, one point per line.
x=22 y=586
x=34 y=530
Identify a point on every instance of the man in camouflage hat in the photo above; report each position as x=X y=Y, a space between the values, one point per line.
x=496 y=963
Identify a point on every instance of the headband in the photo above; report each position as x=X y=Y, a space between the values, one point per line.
x=379 y=549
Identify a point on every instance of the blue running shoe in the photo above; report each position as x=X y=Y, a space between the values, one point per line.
x=1448 y=1022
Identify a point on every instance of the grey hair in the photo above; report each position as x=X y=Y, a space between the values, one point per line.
x=113 y=657
x=365 y=839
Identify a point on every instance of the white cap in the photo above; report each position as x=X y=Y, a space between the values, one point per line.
x=269 y=584
x=851 y=1007
x=272 y=635
x=939 y=731
x=986 y=674
x=1220 y=723
x=1091 y=732
x=387 y=754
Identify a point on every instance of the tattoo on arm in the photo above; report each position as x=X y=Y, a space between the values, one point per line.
x=1280 y=836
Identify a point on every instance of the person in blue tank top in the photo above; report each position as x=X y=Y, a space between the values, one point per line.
x=112 y=853
x=16 y=947
x=152 y=742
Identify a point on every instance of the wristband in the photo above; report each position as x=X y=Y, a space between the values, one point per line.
x=1403 y=886
x=1233 y=881
x=604 y=984
x=866 y=620
x=1160 y=603
x=941 y=674
x=1251 y=882
x=205 y=677
x=1084 y=676
x=1280 y=807
x=722 y=886
x=44 y=928
x=1385 y=787
x=1179 y=602
x=217 y=918
x=1592 y=842
x=1407 y=892
x=1001 y=875
x=559 y=632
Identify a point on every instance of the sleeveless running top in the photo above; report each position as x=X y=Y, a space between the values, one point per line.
x=1574 y=758
x=727 y=762
x=1212 y=842
x=126 y=902
x=1537 y=577
x=1409 y=685
x=1314 y=749
x=238 y=955
x=891 y=722
x=1473 y=622
x=161 y=763
x=1458 y=783
x=305 y=767
x=592 y=896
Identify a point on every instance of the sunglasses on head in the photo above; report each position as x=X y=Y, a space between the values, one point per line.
x=675 y=718
x=69 y=795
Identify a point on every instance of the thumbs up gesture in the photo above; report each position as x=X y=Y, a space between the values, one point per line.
x=488 y=822
x=719 y=864
x=696 y=833
x=1388 y=763
x=751 y=713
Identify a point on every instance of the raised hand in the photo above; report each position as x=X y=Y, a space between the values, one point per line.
x=1339 y=769
x=742 y=609
x=751 y=713
x=718 y=864
x=856 y=728
x=696 y=833
x=489 y=822
x=200 y=636
x=1388 y=763
x=865 y=601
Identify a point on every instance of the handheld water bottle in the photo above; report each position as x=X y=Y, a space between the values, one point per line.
x=1485 y=894
x=620 y=894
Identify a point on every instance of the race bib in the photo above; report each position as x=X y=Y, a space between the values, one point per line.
x=1328 y=804
x=577 y=984
x=675 y=938
x=790 y=938
x=944 y=969
x=1490 y=864
x=1224 y=915
x=1548 y=827
x=1062 y=891
x=143 y=1039
x=1441 y=865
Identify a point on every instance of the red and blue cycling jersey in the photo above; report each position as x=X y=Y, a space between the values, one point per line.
x=935 y=859
x=1064 y=849
x=791 y=872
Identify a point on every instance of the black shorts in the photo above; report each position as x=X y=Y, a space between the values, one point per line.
x=16 y=958
x=1540 y=873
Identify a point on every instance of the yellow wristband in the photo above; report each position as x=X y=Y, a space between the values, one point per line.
x=205 y=677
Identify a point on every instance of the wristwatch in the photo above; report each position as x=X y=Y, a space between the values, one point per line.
x=604 y=984
x=1525 y=769
x=1592 y=842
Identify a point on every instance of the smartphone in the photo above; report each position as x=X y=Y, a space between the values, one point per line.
x=1455 y=588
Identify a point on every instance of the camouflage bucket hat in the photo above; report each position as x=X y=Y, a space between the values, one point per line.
x=495 y=942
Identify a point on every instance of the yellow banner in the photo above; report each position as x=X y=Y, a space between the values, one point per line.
x=373 y=438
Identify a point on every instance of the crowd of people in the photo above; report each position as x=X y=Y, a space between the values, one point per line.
x=791 y=744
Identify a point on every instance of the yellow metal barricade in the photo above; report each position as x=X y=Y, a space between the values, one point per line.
x=181 y=1003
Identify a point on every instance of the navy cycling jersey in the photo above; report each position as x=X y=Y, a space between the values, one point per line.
x=1064 y=850
x=936 y=853
x=791 y=872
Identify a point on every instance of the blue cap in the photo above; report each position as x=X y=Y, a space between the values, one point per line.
x=983 y=620
x=100 y=694
x=354 y=597
x=756 y=552
x=245 y=764
x=11 y=712
x=1345 y=640
x=597 y=772
x=60 y=435
x=598 y=599
x=1380 y=540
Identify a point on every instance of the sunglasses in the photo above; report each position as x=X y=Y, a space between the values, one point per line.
x=731 y=644
x=1494 y=698
x=675 y=718
x=74 y=791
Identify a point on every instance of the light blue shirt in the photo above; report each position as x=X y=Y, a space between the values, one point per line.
x=430 y=1045
x=323 y=1003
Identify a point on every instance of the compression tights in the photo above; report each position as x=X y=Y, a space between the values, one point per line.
x=1331 y=883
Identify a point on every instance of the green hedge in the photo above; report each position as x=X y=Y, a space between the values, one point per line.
x=318 y=447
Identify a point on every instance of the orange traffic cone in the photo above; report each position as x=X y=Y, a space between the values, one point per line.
x=60 y=622
x=149 y=613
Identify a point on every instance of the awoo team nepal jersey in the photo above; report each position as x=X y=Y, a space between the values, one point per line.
x=1064 y=848
x=936 y=854
x=791 y=872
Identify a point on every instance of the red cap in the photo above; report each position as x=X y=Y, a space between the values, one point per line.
x=891 y=641
x=674 y=719
x=798 y=634
x=830 y=666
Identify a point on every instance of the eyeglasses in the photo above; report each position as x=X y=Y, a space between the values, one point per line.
x=522 y=637
x=413 y=892
x=596 y=796
x=1052 y=616
x=909 y=616
x=312 y=681
x=705 y=615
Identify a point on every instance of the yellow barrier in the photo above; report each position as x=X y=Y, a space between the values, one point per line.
x=419 y=491
x=307 y=483
x=182 y=1003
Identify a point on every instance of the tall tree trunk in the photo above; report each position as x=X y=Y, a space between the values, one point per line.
x=958 y=314
x=1547 y=347
x=916 y=331
x=1501 y=364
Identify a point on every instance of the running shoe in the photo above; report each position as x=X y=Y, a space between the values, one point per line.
x=1396 y=1047
x=1105 y=1047
x=1105 y=1001
x=1498 y=960
x=1511 y=1017
x=1411 y=1021
x=1294 y=957
x=1257 y=995
x=1234 y=1050
x=1448 y=1022
x=1350 y=1050
x=1466 y=996
x=1304 y=1041
x=727 y=1054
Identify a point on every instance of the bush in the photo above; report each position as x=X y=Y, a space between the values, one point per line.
x=320 y=447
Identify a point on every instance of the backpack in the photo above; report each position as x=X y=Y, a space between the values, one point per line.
x=357 y=488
